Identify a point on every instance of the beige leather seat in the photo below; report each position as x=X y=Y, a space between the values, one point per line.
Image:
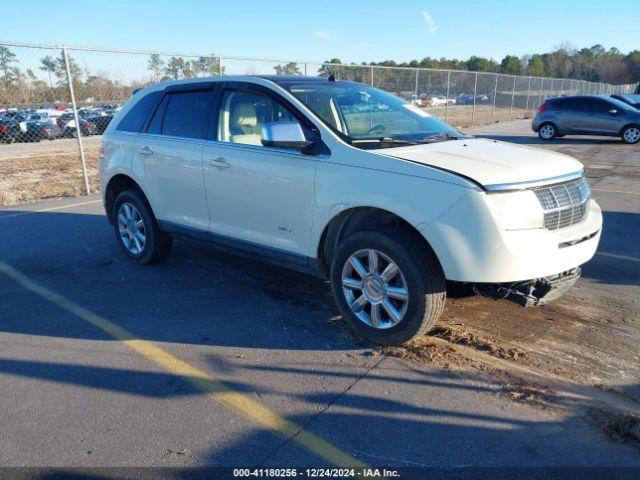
x=244 y=124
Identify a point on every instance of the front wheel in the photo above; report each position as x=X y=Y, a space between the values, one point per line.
x=631 y=134
x=388 y=286
x=137 y=231
x=548 y=131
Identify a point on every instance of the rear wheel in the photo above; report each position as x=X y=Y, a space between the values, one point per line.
x=631 y=134
x=547 y=131
x=137 y=231
x=389 y=288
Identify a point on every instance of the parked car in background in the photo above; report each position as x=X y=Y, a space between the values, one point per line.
x=468 y=98
x=100 y=122
x=9 y=130
x=587 y=115
x=631 y=99
x=441 y=100
x=386 y=204
x=64 y=119
x=45 y=131
x=87 y=128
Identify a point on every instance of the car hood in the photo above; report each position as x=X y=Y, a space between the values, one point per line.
x=488 y=162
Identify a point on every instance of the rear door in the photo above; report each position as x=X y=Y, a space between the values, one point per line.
x=169 y=156
x=570 y=113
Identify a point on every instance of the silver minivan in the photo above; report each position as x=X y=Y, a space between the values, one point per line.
x=587 y=115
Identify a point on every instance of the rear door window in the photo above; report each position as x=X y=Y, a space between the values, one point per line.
x=570 y=104
x=187 y=114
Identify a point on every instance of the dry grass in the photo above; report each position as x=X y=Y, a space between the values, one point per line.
x=46 y=175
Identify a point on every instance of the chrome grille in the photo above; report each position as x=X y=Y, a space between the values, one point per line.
x=564 y=204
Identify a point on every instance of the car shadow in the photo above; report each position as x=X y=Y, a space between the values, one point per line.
x=617 y=261
x=199 y=291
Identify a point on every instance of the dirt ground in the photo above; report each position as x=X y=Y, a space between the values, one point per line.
x=57 y=173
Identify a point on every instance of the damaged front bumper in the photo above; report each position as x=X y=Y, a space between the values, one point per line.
x=531 y=293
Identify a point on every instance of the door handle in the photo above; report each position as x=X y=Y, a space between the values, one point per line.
x=145 y=151
x=220 y=163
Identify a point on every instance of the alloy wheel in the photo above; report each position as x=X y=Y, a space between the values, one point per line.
x=632 y=135
x=131 y=228
x=375 y=289
x=547 y=131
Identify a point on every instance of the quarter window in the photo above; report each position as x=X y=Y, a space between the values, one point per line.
x=243 y=114
x=134 y=118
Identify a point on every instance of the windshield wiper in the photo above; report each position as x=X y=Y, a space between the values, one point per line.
x=382 y=141
x=441 y=137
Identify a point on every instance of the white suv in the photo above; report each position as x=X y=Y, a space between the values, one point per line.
x=351 y=183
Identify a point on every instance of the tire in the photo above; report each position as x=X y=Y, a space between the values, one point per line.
x=547 y=131
x=419 y=273
x=155 y=244
x=630 y=134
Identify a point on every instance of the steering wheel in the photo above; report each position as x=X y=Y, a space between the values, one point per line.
x=376 y=128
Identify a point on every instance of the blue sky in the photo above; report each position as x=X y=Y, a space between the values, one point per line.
x=353 y=30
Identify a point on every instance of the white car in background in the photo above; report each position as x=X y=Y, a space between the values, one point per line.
x=388 y=203
x=441 y=100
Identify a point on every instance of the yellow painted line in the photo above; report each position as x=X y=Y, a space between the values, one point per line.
x=620 y=257
x=214 y=389
x=51 y=209
x=614 y=191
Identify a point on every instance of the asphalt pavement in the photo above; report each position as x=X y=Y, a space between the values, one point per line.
x=208 y=359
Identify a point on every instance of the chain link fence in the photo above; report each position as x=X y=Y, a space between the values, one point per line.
x=56 y=101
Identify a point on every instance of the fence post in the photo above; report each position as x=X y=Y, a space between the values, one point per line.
x=219 y=66
x=305 y=69
x=416 y=89
x=513 y=96
x=495 y=93
x=528 y=94
x=446 y=106
x=541 y=89
x=371 y=76
x=475 y=93
x=76 y=120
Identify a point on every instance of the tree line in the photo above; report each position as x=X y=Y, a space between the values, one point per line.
x=23 y=86
x=593 y=64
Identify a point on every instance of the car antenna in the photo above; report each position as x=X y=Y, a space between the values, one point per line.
x=332 y=77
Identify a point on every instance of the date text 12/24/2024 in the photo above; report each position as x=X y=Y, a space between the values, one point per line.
x=316 y=473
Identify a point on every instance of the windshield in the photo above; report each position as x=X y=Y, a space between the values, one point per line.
x=361 y=113
x=622 y=105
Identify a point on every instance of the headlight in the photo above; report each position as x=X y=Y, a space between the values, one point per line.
x=517 y=210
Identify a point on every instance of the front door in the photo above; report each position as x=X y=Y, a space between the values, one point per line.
x=599 y=118
x=258 y=196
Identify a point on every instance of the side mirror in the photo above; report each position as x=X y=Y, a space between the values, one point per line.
x=613 y=111
x=285 y=135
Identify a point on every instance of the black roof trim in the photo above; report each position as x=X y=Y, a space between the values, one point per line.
x=287 y=79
